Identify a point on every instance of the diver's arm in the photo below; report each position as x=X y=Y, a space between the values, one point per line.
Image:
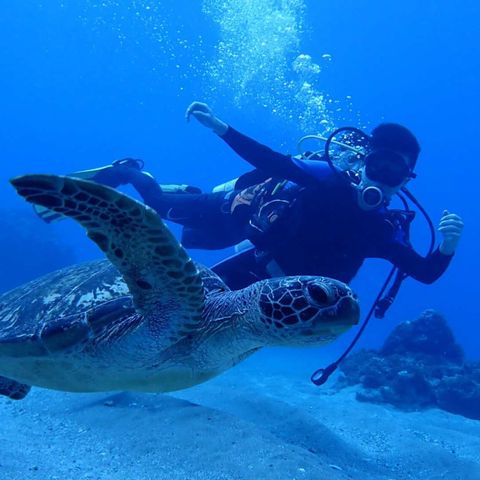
x=261 y=157
x=424 y=269
x=265 y=159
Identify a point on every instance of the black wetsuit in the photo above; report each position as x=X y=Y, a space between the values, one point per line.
x=332 y=235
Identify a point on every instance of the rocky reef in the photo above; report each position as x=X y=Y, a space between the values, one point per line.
x=419 y=366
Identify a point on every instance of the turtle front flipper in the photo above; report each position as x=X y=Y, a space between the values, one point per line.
x=158 y=271
x=12 y=389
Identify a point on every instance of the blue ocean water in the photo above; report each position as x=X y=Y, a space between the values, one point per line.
x=84 y=83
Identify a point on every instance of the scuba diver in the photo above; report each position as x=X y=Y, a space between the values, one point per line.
x=303 y=216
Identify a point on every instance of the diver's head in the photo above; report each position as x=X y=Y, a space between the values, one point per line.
x=389 y=162
x=396 y=138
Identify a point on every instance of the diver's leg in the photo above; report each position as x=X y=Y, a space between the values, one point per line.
x=192 y=210
x=177 y=207
x=206 y=216
x=111 y=175
x=195 y=210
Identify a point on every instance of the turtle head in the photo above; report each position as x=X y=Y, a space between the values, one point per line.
x=301 y=311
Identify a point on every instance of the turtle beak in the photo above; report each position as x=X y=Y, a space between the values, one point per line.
x=348 y=311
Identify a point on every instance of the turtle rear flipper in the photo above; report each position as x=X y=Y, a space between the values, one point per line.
x=158 y=271
x=12 y=389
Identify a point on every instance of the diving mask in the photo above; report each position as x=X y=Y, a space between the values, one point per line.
x=387 y=167
x=383 y=174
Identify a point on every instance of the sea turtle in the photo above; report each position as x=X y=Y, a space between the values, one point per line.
x=148 y=318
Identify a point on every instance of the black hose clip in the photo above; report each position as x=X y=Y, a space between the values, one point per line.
x=383 y=305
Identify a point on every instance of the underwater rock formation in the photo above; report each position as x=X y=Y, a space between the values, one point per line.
x=419 y=366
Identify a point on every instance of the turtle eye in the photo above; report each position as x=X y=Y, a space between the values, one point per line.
x=318 y=294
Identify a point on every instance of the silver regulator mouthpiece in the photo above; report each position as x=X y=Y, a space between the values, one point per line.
x=370 y=197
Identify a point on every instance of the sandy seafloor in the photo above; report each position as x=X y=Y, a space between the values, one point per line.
x=249 y=423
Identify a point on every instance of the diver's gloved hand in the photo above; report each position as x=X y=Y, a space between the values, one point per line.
x=451 y=227
x=204 y=114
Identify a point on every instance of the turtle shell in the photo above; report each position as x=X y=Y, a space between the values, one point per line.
x=69 y=292
x=66 y=292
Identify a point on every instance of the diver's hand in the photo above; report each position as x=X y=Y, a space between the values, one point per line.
x=451 y=227
x=204 y=114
